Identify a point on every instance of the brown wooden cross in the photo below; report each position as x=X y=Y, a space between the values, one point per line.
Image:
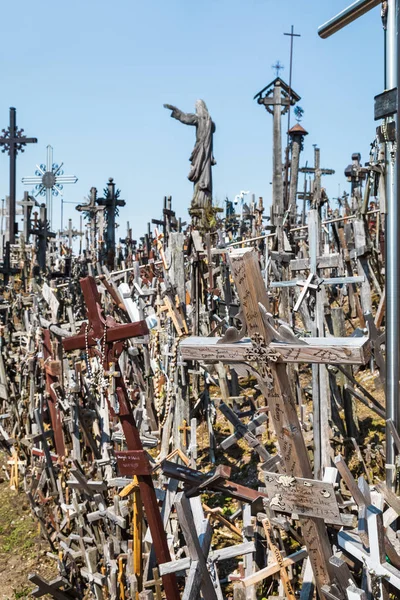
x=133 y=461
x=264 y=355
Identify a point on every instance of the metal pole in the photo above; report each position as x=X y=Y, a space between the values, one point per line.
x=13 y=176
x=392 y=275
x=348 y=15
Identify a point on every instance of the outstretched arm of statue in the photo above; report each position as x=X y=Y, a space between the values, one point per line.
x=186 y=118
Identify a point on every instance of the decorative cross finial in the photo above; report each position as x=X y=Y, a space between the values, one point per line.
x=298 y=113
x=278 y=67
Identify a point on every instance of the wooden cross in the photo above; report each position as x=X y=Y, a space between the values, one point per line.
x=134 y=461
x=242 y=431
x=91 y=211
x=265 y=358
x=52 y=588
x=27 y=204
x=42 y=231
x=318 y=172
x=199 y=576
x=320 y=382
x=52 y=367
x=382 y=573
x=13 y=141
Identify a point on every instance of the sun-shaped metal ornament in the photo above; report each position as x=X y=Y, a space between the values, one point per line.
x=49 y=181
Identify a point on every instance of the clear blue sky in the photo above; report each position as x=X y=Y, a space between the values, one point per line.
x=90 y=78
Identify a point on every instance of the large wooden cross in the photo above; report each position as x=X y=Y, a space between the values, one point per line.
x=110 y=336
x=264 y=354
x=320 y=381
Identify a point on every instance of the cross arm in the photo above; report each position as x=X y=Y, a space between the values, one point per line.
x=314 y=350
x=98 y=324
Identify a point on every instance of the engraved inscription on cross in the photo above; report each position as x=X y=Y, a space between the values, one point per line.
x=106 y=337
x=264 y=355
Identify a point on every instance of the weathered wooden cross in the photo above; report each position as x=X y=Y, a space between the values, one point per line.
x=320 y=382
x=110 y=336
x=264 y=355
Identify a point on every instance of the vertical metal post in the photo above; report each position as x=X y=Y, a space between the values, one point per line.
x=49 y=190
x=13 y=176
x=392 y=259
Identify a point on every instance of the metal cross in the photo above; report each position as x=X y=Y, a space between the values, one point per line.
x=49 y=180
x=278 y=67
x=13 y=141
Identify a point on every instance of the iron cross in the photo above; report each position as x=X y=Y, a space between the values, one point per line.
x=13 y=141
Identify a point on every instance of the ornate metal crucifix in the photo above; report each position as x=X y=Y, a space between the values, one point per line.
x=49 y=180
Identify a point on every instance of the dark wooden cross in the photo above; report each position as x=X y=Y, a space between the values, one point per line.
x=318 y=172
x=111 y=202
x=13 y=141
x=52 y=367
x=91 y=211
x=42 y=231
x=6 y=269
x=27 y=204
x=111 y=336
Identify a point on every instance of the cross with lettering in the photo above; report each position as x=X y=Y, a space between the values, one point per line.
x=264 y=355
x=111 y=337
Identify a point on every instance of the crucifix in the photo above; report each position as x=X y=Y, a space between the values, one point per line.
x=49 y=181
x=71 y=233
x=318 y=172
x=92 y=210
x=264 y=356
x=111 y=203
x=13 y=141
x=106 y=337
x=27 y=204
x=42 y=231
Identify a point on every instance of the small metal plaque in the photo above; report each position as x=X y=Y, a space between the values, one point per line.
x=133 y=462
x=385 y=104
x=304 y=497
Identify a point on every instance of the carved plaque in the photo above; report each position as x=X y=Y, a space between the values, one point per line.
x=303 y=497
x=133 y=462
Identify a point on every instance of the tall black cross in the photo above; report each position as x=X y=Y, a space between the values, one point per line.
x=292 y=35
x=13 y=141
x=111 y=203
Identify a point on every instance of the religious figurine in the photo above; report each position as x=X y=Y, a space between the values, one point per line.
x=202 y=158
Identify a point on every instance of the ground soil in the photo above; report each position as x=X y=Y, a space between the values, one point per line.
x=22 y=551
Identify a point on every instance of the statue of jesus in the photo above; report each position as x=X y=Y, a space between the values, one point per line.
x=202 y=158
